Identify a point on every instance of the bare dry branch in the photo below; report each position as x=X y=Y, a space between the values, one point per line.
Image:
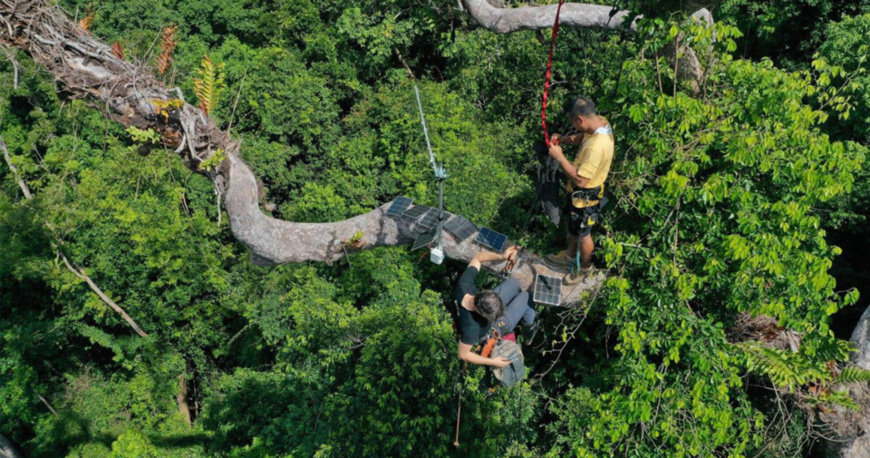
x=21 y=183
x=80 y=273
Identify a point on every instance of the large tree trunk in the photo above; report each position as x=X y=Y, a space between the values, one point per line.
x=87 y=69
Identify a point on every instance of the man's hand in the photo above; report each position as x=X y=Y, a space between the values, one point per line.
x=499 y=362
x=556 y=152
x=555 y=139
x=511 y=253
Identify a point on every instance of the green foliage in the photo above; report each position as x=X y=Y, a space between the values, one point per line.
x=720 y=212
x=783 y=367
x=853 y=374
x=143 y=136
x=214 y=160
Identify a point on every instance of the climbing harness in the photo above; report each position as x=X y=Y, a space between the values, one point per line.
x=436 y=253
x=549 y=70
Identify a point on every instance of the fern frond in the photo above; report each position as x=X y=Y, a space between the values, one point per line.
x=209 y=85
x=784 y=368
x=85 y=22
x=853 y=374
x=117 y=50
x=168 y=44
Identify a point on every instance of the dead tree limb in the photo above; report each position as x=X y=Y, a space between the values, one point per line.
x=21 y=183
x=87 y=69
x=45 y=402
x=80 y=273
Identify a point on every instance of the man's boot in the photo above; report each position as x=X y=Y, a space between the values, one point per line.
x=530 y=332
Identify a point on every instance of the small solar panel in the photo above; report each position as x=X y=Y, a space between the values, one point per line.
x=424 y=239
x=492 y=239
x=417 y=211
x=430 y=218
x=460 y=227
x=548 y=290
x=399 y=206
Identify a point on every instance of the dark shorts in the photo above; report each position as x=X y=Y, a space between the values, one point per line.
x=581 y=220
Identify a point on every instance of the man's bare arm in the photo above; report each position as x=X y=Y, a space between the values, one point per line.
x=466 y=354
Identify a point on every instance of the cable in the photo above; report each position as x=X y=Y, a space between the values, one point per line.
x=547 y=77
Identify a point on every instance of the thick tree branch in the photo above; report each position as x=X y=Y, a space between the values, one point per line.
x=181 y=399
x=88 y=70
x=507 y=20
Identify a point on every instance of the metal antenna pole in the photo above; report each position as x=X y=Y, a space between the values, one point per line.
x=426 y=134
x=438 y=251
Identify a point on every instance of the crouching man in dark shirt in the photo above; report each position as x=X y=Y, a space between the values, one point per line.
x=477 y=310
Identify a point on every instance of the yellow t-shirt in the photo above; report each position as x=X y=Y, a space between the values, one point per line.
x=594 y=159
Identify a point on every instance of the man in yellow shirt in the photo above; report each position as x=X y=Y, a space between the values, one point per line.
x=586 y=177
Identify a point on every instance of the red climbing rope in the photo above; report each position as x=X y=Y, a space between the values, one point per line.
x=549 y=67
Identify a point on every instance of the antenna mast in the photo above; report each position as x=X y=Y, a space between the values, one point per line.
x=437 y=253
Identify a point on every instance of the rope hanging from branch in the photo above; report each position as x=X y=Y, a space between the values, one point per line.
x=549 y=68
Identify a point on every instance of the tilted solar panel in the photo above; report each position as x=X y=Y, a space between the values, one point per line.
x=417 y=211
x=400 y=205
x=460 y=227
x=424 y=239
x=430 y=218
x=491 y=239
x=548 y=290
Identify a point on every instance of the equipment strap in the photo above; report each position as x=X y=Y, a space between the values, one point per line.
x=588 y=193
x=547 y=78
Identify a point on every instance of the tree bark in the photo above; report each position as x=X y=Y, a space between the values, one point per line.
x=181 y=398
x=87 y=69
x=507 y=20
x=7 y=449
x=851 y=429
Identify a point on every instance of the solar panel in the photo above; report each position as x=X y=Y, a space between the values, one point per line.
x=399 y=206
x=424 y=239
x=460 y=227
x=548 y=290
x=417 y=211
x=492 y=239
x=430 y=218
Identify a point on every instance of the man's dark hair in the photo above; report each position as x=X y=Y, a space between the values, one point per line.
x=582 y=107
x=489 y=305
